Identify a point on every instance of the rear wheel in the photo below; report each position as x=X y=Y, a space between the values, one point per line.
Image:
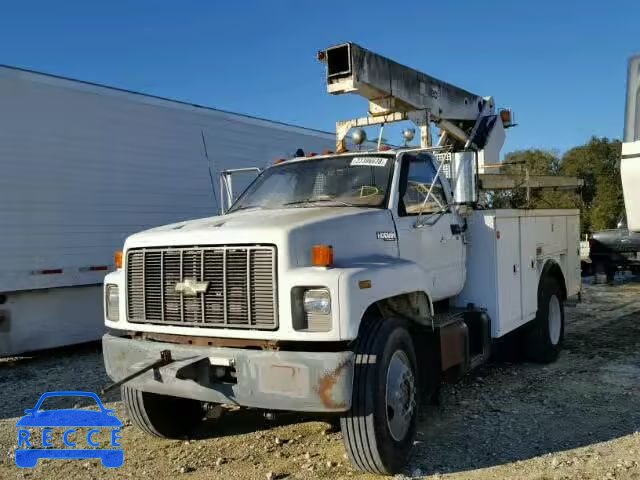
x=605 y=272
x=544 y=338
x=161 y=415
x=379 y=429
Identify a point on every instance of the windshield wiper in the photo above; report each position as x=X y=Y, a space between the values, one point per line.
x=320 y=200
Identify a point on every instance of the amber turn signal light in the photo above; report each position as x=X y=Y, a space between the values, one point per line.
x=507 y=118
x=322 y=255
x=117 y=259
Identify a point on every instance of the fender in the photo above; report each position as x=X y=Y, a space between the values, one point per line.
x=364 y=283
x=553 y=268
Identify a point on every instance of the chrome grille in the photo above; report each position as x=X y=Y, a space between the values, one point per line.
x=240 y=290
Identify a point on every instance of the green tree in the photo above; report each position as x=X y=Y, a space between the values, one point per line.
x=532 y=162
x=598 y=164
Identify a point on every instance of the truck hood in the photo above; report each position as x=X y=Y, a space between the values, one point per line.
x=354 y=233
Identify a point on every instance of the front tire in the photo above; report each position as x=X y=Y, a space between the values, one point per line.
x=543 y=340
x=161 y=415
x=379 y=429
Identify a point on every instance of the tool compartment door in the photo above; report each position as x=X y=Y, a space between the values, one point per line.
x=530 y=228
x=508 y=272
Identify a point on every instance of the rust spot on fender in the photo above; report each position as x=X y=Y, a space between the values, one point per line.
x=326 y=384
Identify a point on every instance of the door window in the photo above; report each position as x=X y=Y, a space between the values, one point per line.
x=420 y=190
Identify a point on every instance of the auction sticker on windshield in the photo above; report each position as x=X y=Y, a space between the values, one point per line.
x=369 y=161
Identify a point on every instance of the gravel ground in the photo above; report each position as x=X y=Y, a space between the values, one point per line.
x=575 y=419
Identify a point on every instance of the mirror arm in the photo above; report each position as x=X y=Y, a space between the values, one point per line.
x=433 y=182
x=438 y=214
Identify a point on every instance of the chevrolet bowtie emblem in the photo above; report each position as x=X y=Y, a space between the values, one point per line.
x=190 y=287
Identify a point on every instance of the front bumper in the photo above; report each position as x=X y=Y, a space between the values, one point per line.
x=274 y=380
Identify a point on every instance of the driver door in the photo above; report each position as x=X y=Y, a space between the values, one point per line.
x=437 y=245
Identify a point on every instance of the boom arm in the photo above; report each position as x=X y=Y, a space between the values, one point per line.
x=471 y=129
x=390 y=86
x=396 y=92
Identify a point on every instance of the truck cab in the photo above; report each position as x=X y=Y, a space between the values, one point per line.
x=345 y=283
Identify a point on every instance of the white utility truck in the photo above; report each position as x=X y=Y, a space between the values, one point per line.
x=347 y=282
x=630 y=162
x=83 y=167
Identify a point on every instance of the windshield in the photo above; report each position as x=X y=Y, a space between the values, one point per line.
x=348 y=181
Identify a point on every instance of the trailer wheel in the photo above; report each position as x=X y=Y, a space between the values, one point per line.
x=379 y=429
x=544 y=339
x=161 y=415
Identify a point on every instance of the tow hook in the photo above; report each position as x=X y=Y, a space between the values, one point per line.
x=165 y=359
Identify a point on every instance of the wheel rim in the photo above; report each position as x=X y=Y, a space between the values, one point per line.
x=555 y=320
x=400 y=395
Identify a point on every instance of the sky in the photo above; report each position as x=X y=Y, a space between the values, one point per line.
x=560 y=65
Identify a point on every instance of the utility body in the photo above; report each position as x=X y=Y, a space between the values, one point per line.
x=347 y=282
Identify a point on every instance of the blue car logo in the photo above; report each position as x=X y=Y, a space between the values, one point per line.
x=29 y=444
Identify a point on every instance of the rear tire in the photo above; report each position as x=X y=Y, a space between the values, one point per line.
x=543 y=341
x=161 y=415
x=601 y=271
x=379 y=429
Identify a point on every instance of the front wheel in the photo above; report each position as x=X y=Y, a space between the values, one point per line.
x=379 y=429
x=161 y=415
x=544 y=338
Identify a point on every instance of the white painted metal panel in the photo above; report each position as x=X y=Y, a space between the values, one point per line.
x=436 y=250
x=510 y=294
x=630 y=173
x=530 y=266
x=572 y=269
x=39 y=319
x=84 y=166
x=508 y=272
x=481 y=283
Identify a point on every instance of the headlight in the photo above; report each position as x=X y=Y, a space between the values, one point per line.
x=311 y=309
x=112 y=302
x=317 y=301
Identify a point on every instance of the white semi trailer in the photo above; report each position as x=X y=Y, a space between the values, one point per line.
x=347 y=282
x=630 y=162
x=83 y=167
